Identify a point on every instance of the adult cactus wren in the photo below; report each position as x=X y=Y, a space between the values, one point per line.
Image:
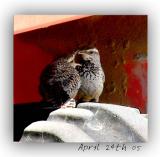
x=92 y=75
x=59 y=82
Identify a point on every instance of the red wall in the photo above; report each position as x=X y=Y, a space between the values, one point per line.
x=29 y=60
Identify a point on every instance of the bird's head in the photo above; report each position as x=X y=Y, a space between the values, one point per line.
x=88 y=55
x=71 y=60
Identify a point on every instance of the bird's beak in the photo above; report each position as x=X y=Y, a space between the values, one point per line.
x=71 y=58
x=79 y=53
x=84 y=55
x=76 y=52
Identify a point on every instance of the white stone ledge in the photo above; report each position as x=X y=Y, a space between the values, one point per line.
x=90 y=122
x=71 y=115
x=49 y=131
x=129 y=118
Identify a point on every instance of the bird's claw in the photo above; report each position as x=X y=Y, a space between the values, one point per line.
x=69 y=104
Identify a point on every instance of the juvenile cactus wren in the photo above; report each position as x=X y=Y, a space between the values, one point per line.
x=92 y=75
x=59 y=82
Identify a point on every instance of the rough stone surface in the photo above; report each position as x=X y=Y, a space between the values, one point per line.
x=118 y=123
x=90 y=122
x=76 y=116
x=47 y=131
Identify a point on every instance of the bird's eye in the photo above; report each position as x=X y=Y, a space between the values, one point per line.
x=91 y=52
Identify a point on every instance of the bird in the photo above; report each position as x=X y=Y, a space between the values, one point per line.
x=59 y=82
x=91 y=74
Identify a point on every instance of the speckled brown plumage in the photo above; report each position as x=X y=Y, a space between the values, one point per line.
x=92 y=75
x=59 y=82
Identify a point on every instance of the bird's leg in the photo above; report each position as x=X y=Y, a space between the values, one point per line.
x=70 y=103
x=95 y=100
x=79 y=101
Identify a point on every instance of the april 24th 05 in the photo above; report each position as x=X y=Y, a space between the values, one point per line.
x=109 y=147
